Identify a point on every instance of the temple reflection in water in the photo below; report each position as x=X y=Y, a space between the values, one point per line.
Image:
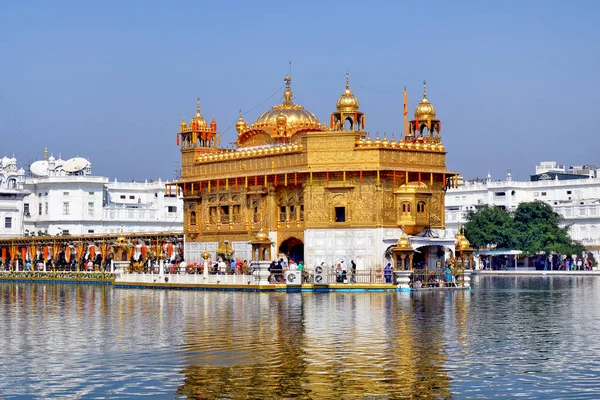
x=322 y=346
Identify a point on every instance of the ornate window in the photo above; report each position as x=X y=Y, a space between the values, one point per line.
x=255 y=209
x=236 y=216
x=193 y=218
x=421 y=207
x=406 y=208
x=291 y=206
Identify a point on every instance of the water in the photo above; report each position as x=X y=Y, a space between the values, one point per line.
x=533 y=337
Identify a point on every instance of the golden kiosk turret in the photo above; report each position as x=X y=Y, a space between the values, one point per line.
x=347 y=115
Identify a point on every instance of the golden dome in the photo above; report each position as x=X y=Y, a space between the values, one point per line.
x=183 y=125
x=403 y=242
x=462 y=242
x=240 y=125
x=198 y=122
x=261 y=235
x=347 y=101
x=297 y=118
x=425 y=109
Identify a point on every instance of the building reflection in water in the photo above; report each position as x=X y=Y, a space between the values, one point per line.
x=321 y=345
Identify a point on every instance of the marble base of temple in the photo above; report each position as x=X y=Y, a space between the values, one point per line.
x=465 y=278
x=402 y=279
x=261 y=272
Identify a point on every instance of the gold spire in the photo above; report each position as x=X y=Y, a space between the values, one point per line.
x=45 y=153
x=198 y=122
x=240 y=125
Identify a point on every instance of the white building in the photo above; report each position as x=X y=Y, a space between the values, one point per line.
x=576 y=198
x=63 y=197
x=11 y=197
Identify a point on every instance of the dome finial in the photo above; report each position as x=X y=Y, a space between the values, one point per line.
x=424 y=89
x=288 y=88
x=45 y=153
x=347 y=80
x=198 y=106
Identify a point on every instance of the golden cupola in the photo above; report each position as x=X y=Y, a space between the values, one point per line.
x=347 y=116
x=425 y=125
x=198 y=134
x=198 y=122
x=280 y=123
x=425 y=110
x=347 y=101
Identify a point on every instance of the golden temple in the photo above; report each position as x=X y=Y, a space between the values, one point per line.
x=320 y=192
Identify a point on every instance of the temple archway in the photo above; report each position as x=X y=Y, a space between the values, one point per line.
x=293 y=248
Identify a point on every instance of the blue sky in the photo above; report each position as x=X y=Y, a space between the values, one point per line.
x=514 y=82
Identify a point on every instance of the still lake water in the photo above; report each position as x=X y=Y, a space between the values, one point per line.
x=508 y=337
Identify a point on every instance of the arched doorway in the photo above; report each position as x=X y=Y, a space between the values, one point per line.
x=430 y=257
x=293 y=248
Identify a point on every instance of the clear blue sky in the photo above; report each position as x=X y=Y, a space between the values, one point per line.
x=514 y=82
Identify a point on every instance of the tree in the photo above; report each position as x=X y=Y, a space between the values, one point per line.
x=537 y=230
x=490 y=226
x=532 y=228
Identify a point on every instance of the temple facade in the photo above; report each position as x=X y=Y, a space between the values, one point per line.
x=320 y=193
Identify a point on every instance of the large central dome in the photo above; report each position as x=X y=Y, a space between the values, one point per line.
x=282 y=121
x=295 y=114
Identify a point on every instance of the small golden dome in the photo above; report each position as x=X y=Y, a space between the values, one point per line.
x=261 y=235
x=369 y=142
x=385 y=142
x=403 y=242
x=425 y=109
x=462 y=242
x=240 y=125
x=183 y=125
x=347 y=101
x=377 y=141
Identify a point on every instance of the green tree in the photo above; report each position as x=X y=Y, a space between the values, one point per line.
x=532 y=228
x=537 y=229
x=490 y=225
